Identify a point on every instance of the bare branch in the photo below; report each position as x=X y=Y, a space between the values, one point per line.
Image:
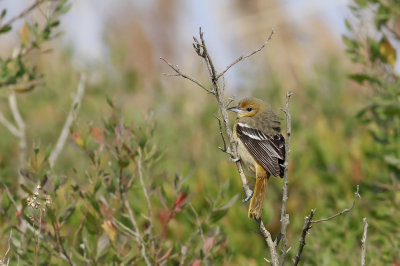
x=179 y=73
x=364 y=242
x=202 y=51
x=246 y=56
x=12 y=100
x=68 y=122
x=307 y=225
x=356 y=195
x=284 y=216
x=267 y=236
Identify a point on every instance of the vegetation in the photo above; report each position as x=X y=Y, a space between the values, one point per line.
x=141 y=180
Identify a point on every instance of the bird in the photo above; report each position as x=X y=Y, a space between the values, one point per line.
x=260 y=146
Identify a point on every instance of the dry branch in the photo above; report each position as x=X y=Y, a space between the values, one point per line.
x=284 y=216
x=308 y=224
x=356 y=195
x=306 y=227
x=218 y=92
x=364 y=242
x=12 y=101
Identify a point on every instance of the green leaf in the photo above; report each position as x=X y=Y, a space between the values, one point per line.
x=3 y=13
x=51 y=215
x=230 y=202
x=110 y=103
x=91 y=224
x=360 y=78
x=392 y=161
x=26 y=189
x=348 y=26
x=218 y=214
x=93 y=202
x=351 y=44
x=5 y=29
x=66 y=213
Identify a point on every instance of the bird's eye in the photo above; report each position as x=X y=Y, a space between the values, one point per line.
x=249 y=109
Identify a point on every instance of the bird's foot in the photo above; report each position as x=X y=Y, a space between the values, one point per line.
x=248 y=197
x=235 y=159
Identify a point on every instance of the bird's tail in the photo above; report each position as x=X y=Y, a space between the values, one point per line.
x=256 y=203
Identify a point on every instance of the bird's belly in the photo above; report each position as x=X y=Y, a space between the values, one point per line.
x=247 y=161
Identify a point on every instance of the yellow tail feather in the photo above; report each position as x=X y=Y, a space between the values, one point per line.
x=256 y=203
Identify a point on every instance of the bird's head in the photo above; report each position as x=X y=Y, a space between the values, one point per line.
x=248 y=107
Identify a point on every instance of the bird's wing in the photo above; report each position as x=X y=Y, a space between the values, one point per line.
x=269 y=151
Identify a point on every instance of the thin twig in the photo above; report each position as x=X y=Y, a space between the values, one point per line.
x=60 y=244
x=38 y=237
x=307 y=225
x=146 y=195
x=179 y=73
x=139 y=239
x=222 y=134
x=68 y=122
x=246 y=56
x=356 y=195
x=22 y=14
x=9 y=248
x=79 y=229
x=11 y=197
x=284 y=216
x=7 y=124
x=364 y=242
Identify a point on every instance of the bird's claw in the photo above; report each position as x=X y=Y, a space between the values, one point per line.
x=235 y=159
x=248 y=197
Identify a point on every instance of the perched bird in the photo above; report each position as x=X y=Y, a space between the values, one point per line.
x=260 y=145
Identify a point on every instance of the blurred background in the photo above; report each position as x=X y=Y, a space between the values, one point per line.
x=345 y=124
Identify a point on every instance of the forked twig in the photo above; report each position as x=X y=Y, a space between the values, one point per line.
x=308 y=224
x=246 y=56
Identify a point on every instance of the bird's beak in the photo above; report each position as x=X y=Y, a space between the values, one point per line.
x=235 y=109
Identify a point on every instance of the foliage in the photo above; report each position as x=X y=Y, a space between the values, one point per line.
x=88 y=199
x=97 y=215
x=376 y=53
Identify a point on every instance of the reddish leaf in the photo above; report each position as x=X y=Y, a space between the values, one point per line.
x=76 y=136
x=97 y=135
x=179 y=201
x=163 y=217
x=208 y=244
x=166 y=255
x=196 y=263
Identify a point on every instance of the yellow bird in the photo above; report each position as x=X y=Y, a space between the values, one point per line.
x=261 y=146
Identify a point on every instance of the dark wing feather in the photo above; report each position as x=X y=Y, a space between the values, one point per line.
x=269 y=151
